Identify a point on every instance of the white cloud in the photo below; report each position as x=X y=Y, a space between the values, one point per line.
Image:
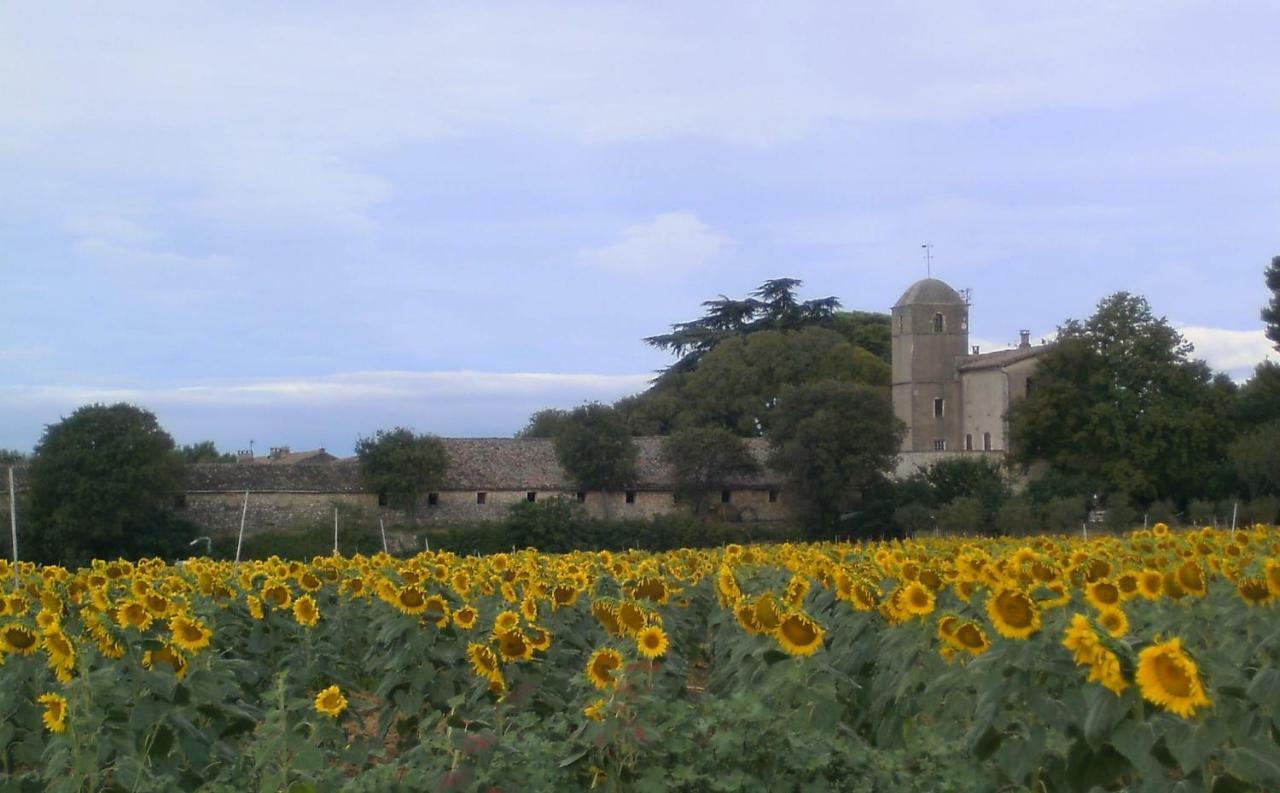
x=343 y=389
x=1236 y=352
x=116 y=239
x=671 y=243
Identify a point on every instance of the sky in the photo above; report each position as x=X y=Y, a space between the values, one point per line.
x=299 y=223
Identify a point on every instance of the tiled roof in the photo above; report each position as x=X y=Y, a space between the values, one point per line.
x=474 y=464
x=1001 y=358
x=313 y=457
x=930 y=292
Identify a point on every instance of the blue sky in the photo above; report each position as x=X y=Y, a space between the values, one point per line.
x=298 y=223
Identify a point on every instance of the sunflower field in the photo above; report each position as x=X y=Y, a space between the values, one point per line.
x=1143 y=662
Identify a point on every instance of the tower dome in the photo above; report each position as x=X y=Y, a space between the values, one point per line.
x=930 y=292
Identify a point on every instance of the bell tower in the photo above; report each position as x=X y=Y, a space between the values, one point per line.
x=929 y=334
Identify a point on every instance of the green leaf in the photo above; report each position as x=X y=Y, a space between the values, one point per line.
x=1106 y=710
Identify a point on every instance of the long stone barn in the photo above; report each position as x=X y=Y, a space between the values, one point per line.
x=485 y=477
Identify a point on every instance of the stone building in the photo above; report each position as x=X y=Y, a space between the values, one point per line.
x=484 y=478
x=953 y=398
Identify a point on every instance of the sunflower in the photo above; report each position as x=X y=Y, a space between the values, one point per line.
x=1014 y=615
x=411 y=600
x=1168 y=677
x=255 y=606
x=651 y=642
x=305 y=611
x=513 y=646
x=798 y=634
x=595 y=711
x=1114 y=620
x=483 y=660
x=1150 y=584
x=564 y=595
x=133 y=614
x=465 y=617
x=166 y=654
x=506 y=622
x=917 y=599
x=602 y=666
x=767 y=613
x=61 y=652
x=191 y=635
x=18 y=640
x=1273 y=576
x=55 y=712
x=331 y=702
x=1254 y=591
x=972 y=638
x=277 y=594
x=633 y=618
x=436 y=611
x=1191 y=577
x=1102 y=594
x=1082 y=640
x=654 y=589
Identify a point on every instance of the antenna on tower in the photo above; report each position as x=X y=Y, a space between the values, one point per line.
x=928 y=258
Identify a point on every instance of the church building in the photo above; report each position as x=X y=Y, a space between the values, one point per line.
x=952 y=397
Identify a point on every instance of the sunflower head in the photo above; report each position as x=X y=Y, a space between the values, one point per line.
x=651 y=642
x=1013 y=613
x=305 y=611
x=18 y=640
x=331 y=702
x=1170 y=678
x=798 y=634
x=55 y=712
x=603 y=666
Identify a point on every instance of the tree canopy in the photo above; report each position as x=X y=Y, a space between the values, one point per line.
x=204 y=452
x=704 y=459
x=402 y=465
x=102 y=482
x=1120 y=401
x=594 y=447
x=1271 y=312
x=832 y=440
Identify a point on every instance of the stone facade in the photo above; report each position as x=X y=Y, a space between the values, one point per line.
x=952 y=398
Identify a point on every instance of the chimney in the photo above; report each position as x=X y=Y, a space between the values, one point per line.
x=1025 y=343
x=975 y=349
x=244 y=456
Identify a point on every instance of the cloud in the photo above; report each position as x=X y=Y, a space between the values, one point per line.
x=672 y=243
x=1236 y=352
x=112 y=238
x=342 y=389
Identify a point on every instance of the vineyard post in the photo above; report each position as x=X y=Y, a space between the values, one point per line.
x=1235 y=507
x=243 y=513
x=383 y=528
x=13 y=524
x=335 y=530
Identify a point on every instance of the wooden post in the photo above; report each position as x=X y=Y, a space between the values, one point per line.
x=243 y=513
x=13 y=524
x=383 y=528
x=335 y=531
x=1235 y=507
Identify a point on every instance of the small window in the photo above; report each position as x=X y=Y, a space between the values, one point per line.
x=382 y=498
x=433 y=499
x=582 y=496
x=631 y=496
x=940 y=445
x=939 y=323
x=986 y=441
x=180 y=501
x=968 y=441
x=531 y=496
x=939 y=408
x=902 y=321
x=481 y=496
x=773 y=496
x=726 y=496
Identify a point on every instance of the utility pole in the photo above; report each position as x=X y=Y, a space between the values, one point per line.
x=928 y=258
x=13 y=524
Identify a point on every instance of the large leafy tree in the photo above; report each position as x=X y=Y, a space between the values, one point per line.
x=594 y=447
x=704 y=459
x=1119 y=401
x=833 y=440
x=204 y=452
x=402 y=464
x=1271 y=312
x=1256 y=458
x=101 y=484
x=772 y=306
x=1258 y=400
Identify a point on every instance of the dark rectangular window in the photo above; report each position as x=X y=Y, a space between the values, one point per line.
x=532 y=495
x=433 y=499
x=939 y=445
x=773 y=496
x=968 y=441
x=939 y=323
x=382 y=498
x=180 y=501
x=725 y=496
x=582 y=496
x=939 y=406
x=631 y=496
x=481 y=496
x=986 y=441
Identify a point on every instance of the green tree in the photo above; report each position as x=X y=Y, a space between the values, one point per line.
x=832 y=440
x=204 y=452
x=704 y=459
x=403 y=465
x=101 y=484
x=957 y=477
x=1255 y=455
x=1271 y=312
x=12 y=457
x=1258 y=400
x=1119 y=401
x=544 y=423
x=594 y=447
